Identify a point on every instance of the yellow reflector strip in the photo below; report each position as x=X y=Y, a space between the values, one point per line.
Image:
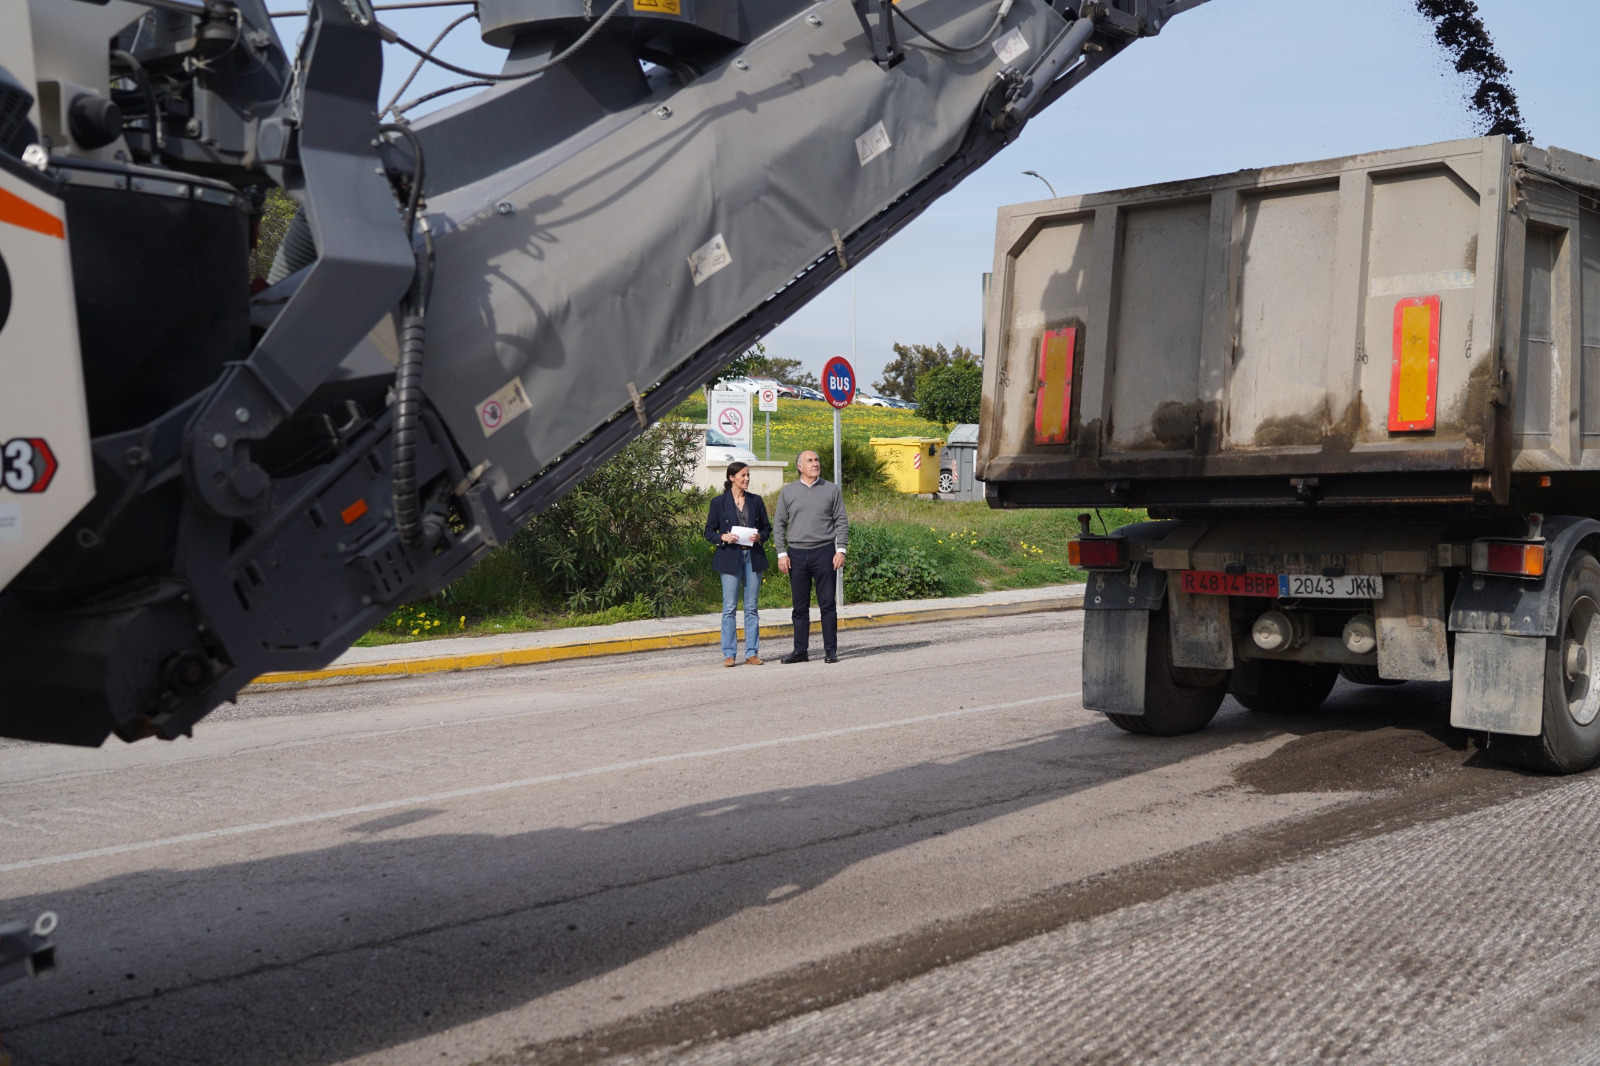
x=1052 y=410
x=1414 y=380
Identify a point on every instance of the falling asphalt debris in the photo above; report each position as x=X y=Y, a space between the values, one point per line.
x=1459 y=28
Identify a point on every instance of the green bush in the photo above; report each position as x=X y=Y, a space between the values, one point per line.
x=951 y=394
x=885 y=565
x=861 y=469
x=617 y=537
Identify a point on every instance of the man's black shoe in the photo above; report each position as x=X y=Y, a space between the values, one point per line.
x=831 y=658
x=796 y=657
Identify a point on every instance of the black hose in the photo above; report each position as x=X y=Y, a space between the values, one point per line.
x=955 y=49
x=407 y=419
x=414 y=529
x=416 y=173
x=158 y=139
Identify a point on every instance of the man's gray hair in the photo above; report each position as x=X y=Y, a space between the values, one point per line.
x=802 y=455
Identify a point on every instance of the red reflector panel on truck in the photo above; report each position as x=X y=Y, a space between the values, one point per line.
x=1052 y=411
x=1414 y=381
x=1096 y=553
x=1508 y=557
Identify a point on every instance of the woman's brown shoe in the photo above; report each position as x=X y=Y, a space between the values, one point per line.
x=729 y=662
x=754 y=660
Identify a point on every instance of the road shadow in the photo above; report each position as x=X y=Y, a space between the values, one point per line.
x=324 y=955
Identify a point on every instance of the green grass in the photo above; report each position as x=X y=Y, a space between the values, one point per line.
x=971 y=547
x=801 y=424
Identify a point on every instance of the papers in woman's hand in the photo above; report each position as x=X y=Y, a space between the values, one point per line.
x=746 y=535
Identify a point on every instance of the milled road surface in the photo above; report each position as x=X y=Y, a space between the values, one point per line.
x=928 y=852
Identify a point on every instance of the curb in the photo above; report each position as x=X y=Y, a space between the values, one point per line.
x=389 y=669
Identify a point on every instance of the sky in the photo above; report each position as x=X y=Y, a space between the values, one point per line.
x=1232 y=84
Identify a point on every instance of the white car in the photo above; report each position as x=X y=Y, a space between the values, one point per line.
x=720 y=449
x=866 y=399
x=738 y=385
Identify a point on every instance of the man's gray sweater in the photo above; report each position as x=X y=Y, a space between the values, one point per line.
x=810 y=516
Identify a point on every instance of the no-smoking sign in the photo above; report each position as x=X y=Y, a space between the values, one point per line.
x=730 y=422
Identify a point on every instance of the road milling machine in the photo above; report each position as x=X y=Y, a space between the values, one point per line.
x=470 y=312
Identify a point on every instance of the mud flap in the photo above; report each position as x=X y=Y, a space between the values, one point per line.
x=1411 y=629
x=1202 y=631
x=1499 y=684
x=1114 y=648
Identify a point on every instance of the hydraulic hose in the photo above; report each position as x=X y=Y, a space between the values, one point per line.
x=407 y=420
x=413 y=528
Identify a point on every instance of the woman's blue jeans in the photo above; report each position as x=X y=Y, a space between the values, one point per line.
x=730 y=610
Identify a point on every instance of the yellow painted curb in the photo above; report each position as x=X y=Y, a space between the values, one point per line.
x=438 y=664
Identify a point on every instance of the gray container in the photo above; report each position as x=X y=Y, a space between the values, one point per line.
x=958 y=477
x=1411 y=326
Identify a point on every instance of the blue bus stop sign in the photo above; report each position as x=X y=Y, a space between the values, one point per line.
x=839 y=381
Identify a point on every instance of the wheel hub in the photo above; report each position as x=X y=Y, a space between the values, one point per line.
x=1578 y=648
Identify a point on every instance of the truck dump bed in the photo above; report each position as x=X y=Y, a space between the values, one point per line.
x=1411 y=326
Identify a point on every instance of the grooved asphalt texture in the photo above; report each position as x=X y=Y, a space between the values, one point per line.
x=1473 y=940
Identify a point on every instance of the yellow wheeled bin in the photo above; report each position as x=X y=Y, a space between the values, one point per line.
x=912 y=462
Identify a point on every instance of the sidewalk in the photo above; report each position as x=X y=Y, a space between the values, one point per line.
x=687 y=631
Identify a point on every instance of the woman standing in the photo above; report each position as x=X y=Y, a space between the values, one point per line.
x=739 y=560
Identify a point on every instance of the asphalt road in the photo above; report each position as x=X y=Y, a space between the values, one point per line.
x=927 y=852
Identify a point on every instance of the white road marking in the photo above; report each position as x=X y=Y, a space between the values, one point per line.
x=526 y=782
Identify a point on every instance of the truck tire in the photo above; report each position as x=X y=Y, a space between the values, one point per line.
x=1177 y=700
x=1289 y=687
x=1570 y=742
x=1362 y=674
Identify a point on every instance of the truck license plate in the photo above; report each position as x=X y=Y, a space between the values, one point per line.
x=1287 y=586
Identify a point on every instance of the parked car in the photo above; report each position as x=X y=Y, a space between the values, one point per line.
x=738 y=385
x=866 y=399
x=808 y=393
x=719 y=449
x=899 y=404
x=788 y=392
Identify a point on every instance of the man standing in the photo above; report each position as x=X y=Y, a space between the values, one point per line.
x=811 y=532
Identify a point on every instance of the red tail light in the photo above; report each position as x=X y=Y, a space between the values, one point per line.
x=1098 y=554
x=1508 y=557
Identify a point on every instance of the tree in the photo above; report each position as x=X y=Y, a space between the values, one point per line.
x=788 y=371
x=911 y=361
x=951 y=394
x=756 y=363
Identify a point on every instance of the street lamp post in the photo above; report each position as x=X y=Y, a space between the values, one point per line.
x=1041 y=177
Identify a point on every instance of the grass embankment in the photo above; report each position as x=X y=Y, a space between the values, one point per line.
x=801 y=424
x=940 y=548
x=901 y=547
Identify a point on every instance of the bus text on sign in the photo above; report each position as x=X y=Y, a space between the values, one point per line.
x=839 y=381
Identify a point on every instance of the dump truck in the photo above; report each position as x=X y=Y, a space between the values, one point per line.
x=1359 y=400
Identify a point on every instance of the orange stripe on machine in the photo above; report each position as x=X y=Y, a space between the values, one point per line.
x=19 y=212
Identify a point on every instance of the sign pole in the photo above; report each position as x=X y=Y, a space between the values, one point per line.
x=839 y=387
x=838 y=479
x=769 y=436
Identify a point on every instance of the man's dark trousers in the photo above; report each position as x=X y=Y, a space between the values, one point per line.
x=808 y=565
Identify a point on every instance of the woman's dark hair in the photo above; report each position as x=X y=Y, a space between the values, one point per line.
x=733 y=468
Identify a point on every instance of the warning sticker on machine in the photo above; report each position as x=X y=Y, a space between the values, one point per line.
x=502 y=407
x=10 y=523
x=1010 y=46
x=709 y=258
x=873 y=143
x=659 y=7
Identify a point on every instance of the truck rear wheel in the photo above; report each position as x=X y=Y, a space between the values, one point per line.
x=1177 y=699
x=1288 y=687
x=1570 y=742
x=1362 y=674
